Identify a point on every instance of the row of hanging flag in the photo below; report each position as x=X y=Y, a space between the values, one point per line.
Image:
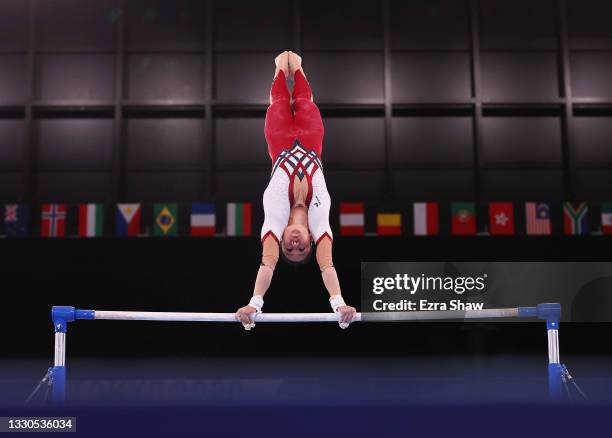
x=426 y=219
x=128 y=220
x=501 y=220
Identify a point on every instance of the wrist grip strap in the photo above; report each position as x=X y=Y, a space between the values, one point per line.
x=336 y=301
x=257 y=302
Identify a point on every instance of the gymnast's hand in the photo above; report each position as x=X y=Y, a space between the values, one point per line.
x=246 y=315
x=347 y=314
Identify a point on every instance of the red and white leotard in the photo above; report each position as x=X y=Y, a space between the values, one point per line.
x=299 y=163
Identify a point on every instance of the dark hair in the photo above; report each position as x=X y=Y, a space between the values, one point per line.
x=306 y=260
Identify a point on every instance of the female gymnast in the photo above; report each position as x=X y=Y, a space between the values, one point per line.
x=296 y=201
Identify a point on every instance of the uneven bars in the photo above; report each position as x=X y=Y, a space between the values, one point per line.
x=62 y=315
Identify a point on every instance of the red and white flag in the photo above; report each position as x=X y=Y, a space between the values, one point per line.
x=426 y=218
x=53 y=220
x=351 y=219
x=501 y=218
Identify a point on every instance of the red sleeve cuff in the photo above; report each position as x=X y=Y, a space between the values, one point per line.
x=270 y=233
x=322 y=236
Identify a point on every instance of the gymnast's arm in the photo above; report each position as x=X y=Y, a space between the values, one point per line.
x=269 y=258
x=330 y=280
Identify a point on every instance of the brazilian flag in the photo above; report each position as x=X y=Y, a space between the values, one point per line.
x=165 y=220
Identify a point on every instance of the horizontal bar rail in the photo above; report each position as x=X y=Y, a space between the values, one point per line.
x=69 y=314
x=302 y=317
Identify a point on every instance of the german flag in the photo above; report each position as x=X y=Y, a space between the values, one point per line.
x=388 y=224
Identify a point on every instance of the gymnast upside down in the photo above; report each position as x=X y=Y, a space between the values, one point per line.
x=296 y=201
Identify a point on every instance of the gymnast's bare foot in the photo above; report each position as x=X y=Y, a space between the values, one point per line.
x=295 y=63
x=282 y=63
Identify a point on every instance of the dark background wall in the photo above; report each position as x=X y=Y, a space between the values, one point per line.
x=149 y=100
x=133 y=100
x=216 y=275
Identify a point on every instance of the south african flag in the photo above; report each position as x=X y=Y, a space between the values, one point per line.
x=576 y=218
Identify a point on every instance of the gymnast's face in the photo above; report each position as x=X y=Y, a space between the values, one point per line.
x=296 y=242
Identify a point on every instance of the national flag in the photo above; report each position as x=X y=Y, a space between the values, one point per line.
x=352 y=221
x=16 y=220
x=501 y=218
x=239 y=219
x=165 y=220
x=537 y=217
x=463 y=218
x=576 y=218
x=128 y=219
x=91 y=220
x=53 y=220
x=426 y=218
x=388 y=224
x=606 y=217
x=203 y=220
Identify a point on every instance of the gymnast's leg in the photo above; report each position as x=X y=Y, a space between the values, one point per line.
x=307 y=117
x=279 y=129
